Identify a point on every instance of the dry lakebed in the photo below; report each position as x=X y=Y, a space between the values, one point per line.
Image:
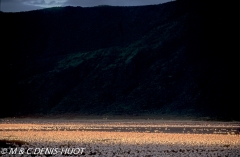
x=118 y=137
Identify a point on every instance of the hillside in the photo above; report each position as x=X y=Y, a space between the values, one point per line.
x=162 y=59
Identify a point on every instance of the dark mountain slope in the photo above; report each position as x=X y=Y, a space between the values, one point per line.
x=157 y=59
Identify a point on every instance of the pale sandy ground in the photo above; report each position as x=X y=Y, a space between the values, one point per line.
x=97 y=143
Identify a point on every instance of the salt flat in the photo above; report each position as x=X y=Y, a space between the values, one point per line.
x=97 y=141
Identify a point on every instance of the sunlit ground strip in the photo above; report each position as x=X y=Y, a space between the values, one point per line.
x=121 y=137
x=104 y=143
x=133 y=144
x=126 y=126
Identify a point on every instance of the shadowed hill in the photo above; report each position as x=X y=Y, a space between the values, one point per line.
x=160 y=59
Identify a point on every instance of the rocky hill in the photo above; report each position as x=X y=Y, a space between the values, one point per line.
x=168 y=59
